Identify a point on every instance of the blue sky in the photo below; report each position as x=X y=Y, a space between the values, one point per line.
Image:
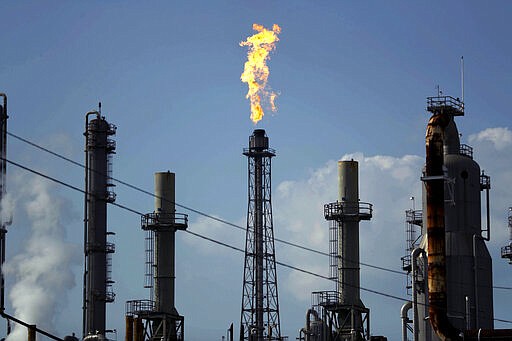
x=352 y=78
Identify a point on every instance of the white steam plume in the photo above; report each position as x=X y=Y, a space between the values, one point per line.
x=42 y=270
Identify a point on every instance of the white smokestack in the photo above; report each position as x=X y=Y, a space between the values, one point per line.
x=42 y=270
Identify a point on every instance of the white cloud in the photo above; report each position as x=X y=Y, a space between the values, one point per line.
x=388 y=182
x=500 y=137
x=385 y=181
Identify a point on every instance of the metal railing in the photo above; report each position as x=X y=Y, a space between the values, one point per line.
x=140 y=306
x=506 y=252
x=466 y=150
x=176 y=220
x=445 y=104
x=322 y=298
x=340 y=210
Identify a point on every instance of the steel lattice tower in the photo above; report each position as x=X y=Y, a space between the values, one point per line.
x=260 y=303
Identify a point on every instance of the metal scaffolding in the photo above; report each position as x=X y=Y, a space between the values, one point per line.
x=260 y=303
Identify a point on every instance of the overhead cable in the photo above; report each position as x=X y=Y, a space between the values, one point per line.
x=211 y=239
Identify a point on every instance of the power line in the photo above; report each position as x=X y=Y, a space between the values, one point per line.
x=31 y=170
x=213 y=240
x=209 y=216
x=190 y=232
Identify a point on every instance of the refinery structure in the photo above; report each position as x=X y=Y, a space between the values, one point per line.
x=448 y=294
x=447 y=262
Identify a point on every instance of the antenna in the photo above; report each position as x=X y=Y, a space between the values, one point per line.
x=462 y=77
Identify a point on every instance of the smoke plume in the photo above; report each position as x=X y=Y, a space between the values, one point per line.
x=42 y=270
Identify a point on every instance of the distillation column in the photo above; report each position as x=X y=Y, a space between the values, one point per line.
x=97 y=283
x=260 y=304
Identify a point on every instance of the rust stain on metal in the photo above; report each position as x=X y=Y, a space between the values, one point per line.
x=434 y=185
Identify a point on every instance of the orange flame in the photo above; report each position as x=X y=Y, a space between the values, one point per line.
x=256 y=70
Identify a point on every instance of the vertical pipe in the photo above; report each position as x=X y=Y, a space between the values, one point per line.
x=468 y=313
x=434 y=184
x=414 y=257
x=475 y=272
x=129 y=328
x=3 y=171
x=31 y=332
x=138 y=329
x=405 y=320
x=86 y=208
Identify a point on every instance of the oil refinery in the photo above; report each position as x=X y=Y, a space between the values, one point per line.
x=255 y=171
x=447 y=262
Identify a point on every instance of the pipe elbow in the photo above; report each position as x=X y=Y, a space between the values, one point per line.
x=436 y=126
x=405 y=309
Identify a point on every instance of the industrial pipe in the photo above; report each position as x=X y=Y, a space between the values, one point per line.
x=30 y=326
x=414 y=256
x=403 y=314
x=32 y=332
x=138 y=329
x=310 y=312
x=3 y=172
x=129 y=328
x=86 y=201
x=434 y=185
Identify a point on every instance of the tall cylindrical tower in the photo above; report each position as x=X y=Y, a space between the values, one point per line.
x=459 y=275
x=260 y=304
x=164 y=243
x=97 y=282
x=161 y=319
x=345 y=306
x=348 y=236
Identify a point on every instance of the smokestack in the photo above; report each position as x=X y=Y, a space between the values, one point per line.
x=345 y=215
x=165 y=242
x=348 y=235
x=162 y=321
